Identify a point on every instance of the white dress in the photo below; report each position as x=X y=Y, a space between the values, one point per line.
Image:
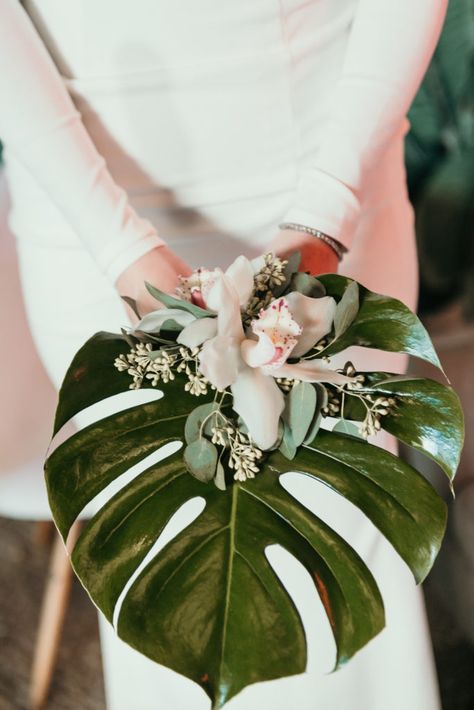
x=218 y=120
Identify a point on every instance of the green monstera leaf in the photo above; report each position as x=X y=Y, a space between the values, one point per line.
x=209 y=604
x=428 y=416
x=382 y=322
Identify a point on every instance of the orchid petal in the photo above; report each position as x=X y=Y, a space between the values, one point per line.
x=219 y=360
x=224 y=299
x=193 y=283
x=277 y=324
x=257 y=353
x=152 y=322
x=309 y=371
x=208 y=281
x=314 y=315
x=213 y=291
x=197 y=332
x=259 y=401
x=240 y=274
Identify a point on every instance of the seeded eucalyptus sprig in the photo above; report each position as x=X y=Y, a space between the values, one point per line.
x=215 y=437
x=370 y=406
x=266 y=282
x=162 y=366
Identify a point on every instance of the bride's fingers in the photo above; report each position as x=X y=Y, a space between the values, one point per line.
x=159 y=267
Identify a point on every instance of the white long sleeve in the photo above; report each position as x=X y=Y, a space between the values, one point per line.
x=390 y=46
x=40 y=125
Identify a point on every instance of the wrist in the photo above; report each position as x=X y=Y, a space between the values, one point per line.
x=336 y=246
x=317 y=257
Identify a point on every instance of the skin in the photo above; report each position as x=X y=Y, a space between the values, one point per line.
x=316 y=256
x=161 y=266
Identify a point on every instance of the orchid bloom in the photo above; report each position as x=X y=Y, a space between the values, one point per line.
x=198 y=289
x=248 y=363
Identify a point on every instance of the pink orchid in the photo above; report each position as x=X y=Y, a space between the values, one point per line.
x=198 y=287
x=249 y=363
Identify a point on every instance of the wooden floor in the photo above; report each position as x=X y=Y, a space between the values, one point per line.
x=77 y=682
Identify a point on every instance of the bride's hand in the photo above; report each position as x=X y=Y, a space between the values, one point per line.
x=161 y=268
x=317 y=257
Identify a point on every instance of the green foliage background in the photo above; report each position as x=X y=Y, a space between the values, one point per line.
x=440 y=164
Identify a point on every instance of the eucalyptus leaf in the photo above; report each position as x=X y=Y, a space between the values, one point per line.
x=219 y=478
x=287 y=445
x=173 y=302
x=193 y=428
x=200 y=458
x=307 y=285
x=153 y=322
x=300 y=408
x=292 y=266
x=171 y=325
x=347 y=309
x=321 y=402
x=293 y=262
x=133 y=305
x=346 y=427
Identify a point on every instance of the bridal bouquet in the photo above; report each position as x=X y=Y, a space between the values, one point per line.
x=246 y=391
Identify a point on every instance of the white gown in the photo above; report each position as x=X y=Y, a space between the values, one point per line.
x=218 y=120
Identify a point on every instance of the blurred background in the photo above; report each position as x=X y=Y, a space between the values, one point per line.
x=440 y=169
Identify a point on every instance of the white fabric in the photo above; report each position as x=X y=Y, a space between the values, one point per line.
x=41 y=126
x=387 y=53
x=28 y=399
x=219 y=119
x=359 y=103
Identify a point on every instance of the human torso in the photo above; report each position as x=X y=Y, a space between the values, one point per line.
x=213 y=100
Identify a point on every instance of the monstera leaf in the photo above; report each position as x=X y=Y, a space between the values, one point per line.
x=382 y=322
x=209 y=604
x=428 y=416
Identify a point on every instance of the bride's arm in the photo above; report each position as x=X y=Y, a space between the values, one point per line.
x=389 y=48
x=41 y=126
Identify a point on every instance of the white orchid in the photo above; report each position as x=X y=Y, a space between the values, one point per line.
x=198 y=290
x=249 y=362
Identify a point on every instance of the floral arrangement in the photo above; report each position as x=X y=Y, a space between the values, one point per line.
x=243 y=361
x=253 y=336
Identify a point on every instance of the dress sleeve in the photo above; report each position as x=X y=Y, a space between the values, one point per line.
x=389 y=48
x=40 y=125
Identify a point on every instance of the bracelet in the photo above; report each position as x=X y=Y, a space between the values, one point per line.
x=336 y=246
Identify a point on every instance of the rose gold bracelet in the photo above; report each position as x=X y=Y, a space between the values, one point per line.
x=336 y=246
